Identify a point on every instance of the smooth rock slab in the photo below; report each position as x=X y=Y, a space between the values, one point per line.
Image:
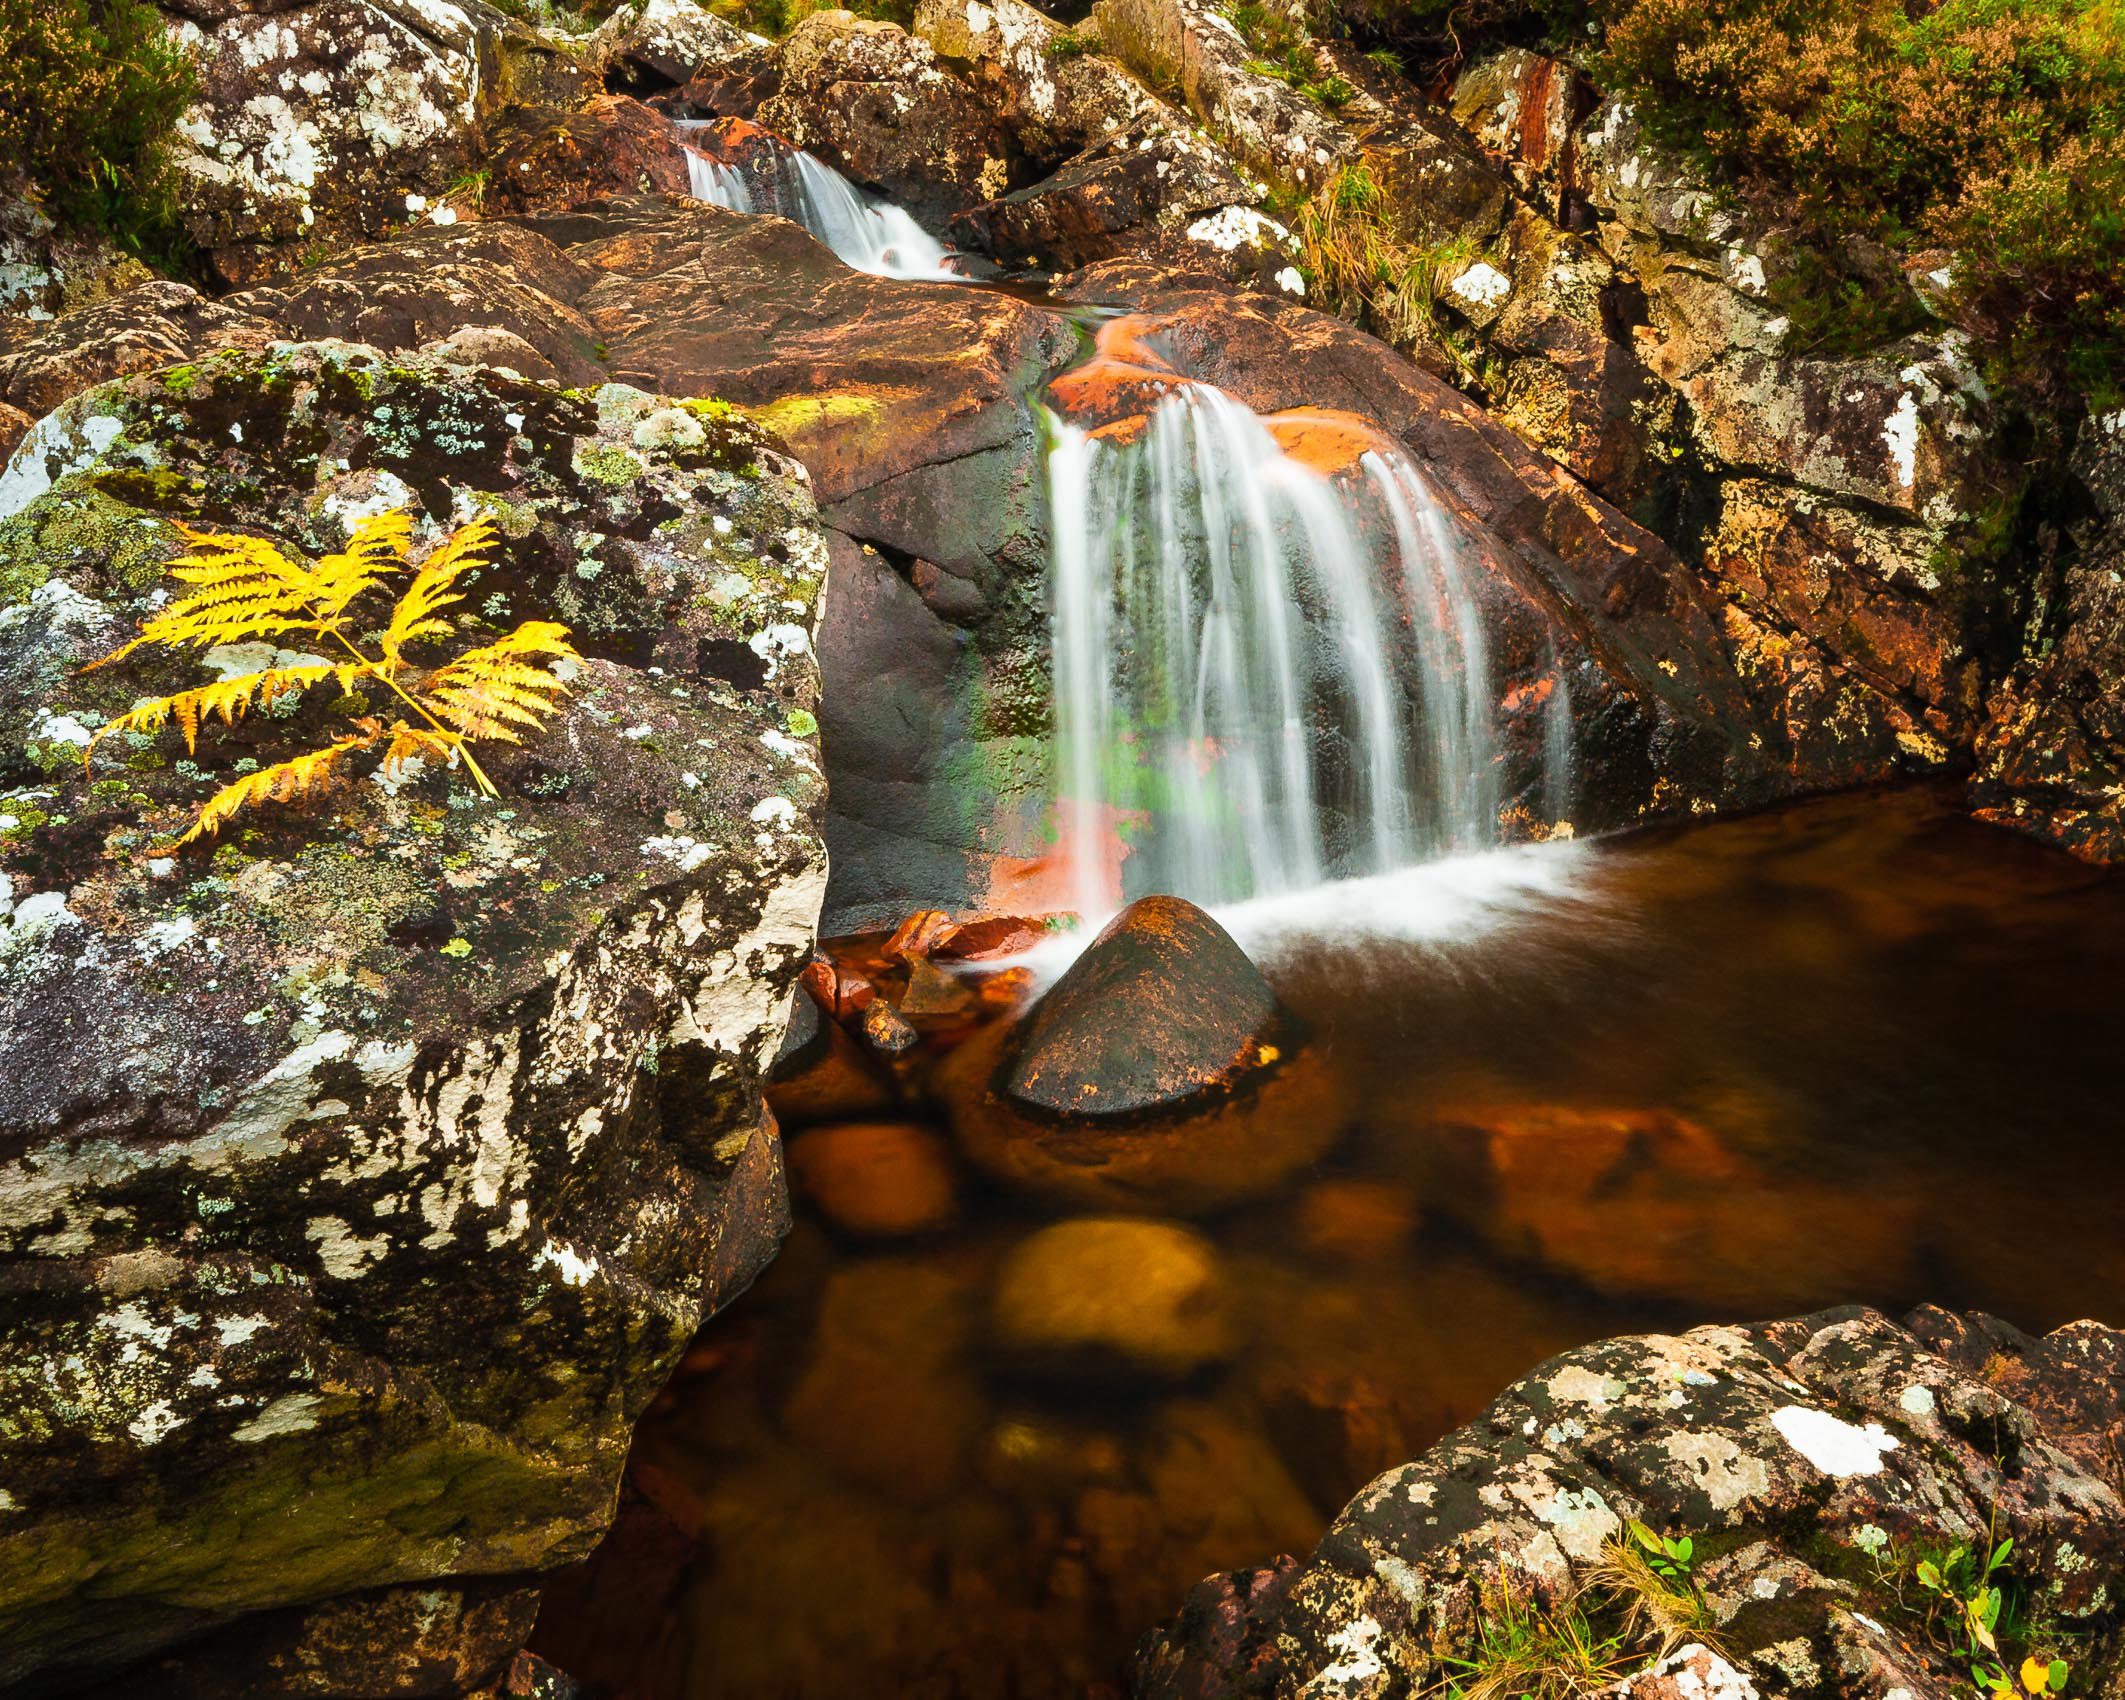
x=363 y=1174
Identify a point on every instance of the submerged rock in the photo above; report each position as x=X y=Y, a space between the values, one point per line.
x=1114 y=1294
x=364 y=1172
x=1818 y=1459
x=880 y=1180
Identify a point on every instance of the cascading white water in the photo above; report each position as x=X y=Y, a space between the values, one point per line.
x=866 y=234
x=1228 y=691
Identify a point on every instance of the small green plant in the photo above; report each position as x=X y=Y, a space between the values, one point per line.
x=1647 y=1577
x=1285 y=50
x=1668 y=1557
x=1071 y=44
x=1972 y=1610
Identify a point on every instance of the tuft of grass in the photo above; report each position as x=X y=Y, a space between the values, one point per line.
x=1661 y=1606
x=1284 y=49
x=1358 y=266
x=1071 y=44
x=1524 y=1650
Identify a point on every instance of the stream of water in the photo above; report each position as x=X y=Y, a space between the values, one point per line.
x=866 y=233
x=1226 y=678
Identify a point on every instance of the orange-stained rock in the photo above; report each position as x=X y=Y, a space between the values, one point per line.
x=1108 y=1294
x=14 y=426
x=935 y=998
x=1126 y=376
x=878 y=1179
x=921 y=934
x=1642 y=1201
x=1329 y=442
x=837 y=1082
x=991 y=936
x=887 y=1031
x=548 y=160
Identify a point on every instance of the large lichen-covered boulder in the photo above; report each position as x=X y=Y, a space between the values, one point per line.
x=363 y=1172
x=1813 y=1463
x=1054 y=102
x=342 y=118
x=1191 y=46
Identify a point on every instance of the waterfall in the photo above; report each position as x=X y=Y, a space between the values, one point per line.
x=868 y=235
x=1265 y=675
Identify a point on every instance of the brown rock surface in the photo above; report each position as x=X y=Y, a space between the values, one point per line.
x=1161 y=1008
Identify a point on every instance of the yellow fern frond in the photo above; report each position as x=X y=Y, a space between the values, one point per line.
x=486 y=692
x=280 y=783
x=408 y=742
x=375 y=549
x=230 y=698
x=463 y=551
x=246 y=589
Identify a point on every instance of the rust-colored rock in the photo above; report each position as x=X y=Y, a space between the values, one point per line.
x=1161 y=1007
x=880 y=1180
x=545 y=161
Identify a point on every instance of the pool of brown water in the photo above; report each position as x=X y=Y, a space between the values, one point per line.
x=1859 y=1051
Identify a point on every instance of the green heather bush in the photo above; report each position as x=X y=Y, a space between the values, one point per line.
x=1992 y=129
x=89 y=92
x=778 y=17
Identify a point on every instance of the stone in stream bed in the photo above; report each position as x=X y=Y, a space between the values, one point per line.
x=1114 y=1294
x=1159 y=1073
x=881 y=1180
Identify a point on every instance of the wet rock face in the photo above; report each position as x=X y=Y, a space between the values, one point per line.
x=1807 y=1458
x=363 y=1173
x=872 y=101
x=2051 y=755
x=1162 y=1006
x=1114 y=197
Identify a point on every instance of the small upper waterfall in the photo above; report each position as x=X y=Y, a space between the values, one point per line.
x=867 y=234
x=1266 y=675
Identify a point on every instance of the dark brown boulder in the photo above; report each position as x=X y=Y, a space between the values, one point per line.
x=1111 y=198
x=1159 y=1074
x=1161 y=1008
x=546 y=160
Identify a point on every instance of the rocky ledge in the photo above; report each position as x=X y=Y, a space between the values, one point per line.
x=1824 y=1471
x=364 y=1171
